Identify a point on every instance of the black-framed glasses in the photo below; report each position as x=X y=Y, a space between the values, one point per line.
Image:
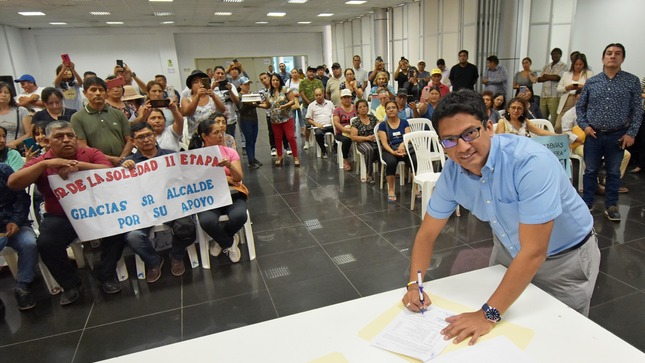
x=144 y=137
x=468 y=136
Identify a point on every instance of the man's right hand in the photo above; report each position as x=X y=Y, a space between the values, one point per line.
x=590 y=131
x=411 y=299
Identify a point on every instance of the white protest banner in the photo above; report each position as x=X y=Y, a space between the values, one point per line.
x=559 y=145
x=106 y=202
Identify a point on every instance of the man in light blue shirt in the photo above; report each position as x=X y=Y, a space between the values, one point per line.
x=495 y=76
x=541 y=227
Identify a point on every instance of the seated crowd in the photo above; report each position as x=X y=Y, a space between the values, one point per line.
x=85 y=123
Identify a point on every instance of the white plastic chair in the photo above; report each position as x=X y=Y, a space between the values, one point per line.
x=245 y=233
x=339 y=145
x=543 y=124
x=401 y=165
x=419 y=124
x=581 y=168
x=425 y=175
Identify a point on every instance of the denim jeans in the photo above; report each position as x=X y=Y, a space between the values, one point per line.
x=140 y=243
x=24 y=242
x=249 y=129
x=603 y=145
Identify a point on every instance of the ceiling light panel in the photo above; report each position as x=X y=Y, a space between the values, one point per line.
x=355 y=2
x=325 y=15
x=164 y=13
x=222 y=13
x=31 y=13
x=100 y=13
x=297 y=1
x=276 y=14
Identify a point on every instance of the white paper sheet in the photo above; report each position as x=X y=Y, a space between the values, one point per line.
x=496 y=350
x=415 y=335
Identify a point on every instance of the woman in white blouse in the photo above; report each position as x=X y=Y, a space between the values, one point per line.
x=571 y=81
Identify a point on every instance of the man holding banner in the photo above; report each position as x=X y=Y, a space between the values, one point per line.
x=183 y=229
x=56 y=232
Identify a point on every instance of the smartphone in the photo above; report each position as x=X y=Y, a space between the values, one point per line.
x=575 y=85
x=119 y=63
x=222 y=84
x=160 y=103
x=234 y=60
x=65 y=58
x=116 y=82
x=31 y=144
x=410 y=98
x=206 y=83
x=523 y=89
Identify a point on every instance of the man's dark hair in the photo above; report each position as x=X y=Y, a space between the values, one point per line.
x=89 y=73
x=557 y=50
x=219 y=67
x=319 y=68
x=615 y=45
x=138 y=126
x=493 y=58
x=463 y=51
x=160 y=76
x=94 y=81
x=441 y=62
x=463 y=101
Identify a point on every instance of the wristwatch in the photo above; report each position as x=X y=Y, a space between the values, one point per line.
x=491 y=313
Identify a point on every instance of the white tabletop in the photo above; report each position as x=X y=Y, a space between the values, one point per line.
x=560 y=333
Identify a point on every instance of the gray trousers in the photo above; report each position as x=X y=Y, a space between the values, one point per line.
x=569 y=277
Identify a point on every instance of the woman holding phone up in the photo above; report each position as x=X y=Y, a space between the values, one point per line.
x=202 y=101
x=569 y=83
x=156 y=100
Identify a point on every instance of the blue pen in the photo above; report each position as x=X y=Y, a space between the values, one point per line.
x=420 y=284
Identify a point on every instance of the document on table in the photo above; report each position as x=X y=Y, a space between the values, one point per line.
x=497 y=350
x=415 y=335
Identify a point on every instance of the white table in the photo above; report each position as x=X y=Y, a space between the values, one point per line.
x=561 y=334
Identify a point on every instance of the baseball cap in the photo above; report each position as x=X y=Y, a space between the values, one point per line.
x=335 y=65
x=311 y=68
x=345 y=93
x=244 y=80
x=26 y=78
x=435 y=71
x=422 y=61
x=402 y=92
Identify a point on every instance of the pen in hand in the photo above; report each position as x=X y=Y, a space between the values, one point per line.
x=420 y=284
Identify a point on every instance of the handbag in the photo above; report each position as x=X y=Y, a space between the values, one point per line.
x=239 y=188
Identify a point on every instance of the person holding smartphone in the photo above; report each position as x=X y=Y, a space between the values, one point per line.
x=570 y=82
x=201 y=102
x=167 y=106
x=68 y=82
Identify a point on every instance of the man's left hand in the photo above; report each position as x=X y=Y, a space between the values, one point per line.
x=11 y=229
x=626 y=141
x=467 y=324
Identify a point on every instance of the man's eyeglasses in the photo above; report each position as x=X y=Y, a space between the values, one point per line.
x=144 y=137
x=468 y=136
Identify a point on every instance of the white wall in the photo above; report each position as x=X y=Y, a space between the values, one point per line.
x=148 y=51
x=598 y=23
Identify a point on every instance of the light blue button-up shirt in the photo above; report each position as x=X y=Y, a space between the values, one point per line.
x=522 y=182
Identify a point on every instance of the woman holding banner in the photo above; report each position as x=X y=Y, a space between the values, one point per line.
x=209 y=133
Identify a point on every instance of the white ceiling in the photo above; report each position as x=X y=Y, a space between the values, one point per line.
x=139 y=13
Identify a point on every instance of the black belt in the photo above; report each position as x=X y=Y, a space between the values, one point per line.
x=610 y=131
x=576 y=246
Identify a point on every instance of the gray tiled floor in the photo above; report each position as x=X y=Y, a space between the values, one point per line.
x=322 y=237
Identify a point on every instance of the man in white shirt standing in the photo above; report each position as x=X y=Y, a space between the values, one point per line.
x=228 y=94
x=550 y=76
x=359 y=73
x=30 y=96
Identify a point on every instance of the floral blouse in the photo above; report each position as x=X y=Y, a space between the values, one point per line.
x=364 y=130
x=276 y=114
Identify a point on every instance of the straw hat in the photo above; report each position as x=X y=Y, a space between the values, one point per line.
x=130 y=93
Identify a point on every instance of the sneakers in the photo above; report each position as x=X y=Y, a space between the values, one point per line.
x=306 y=147
x=70 y=296
x=233 y=252
x=177 y=267
x=274 y=152
x=25 y=299
x=111 y=287
x=215 y=249
x=289 y=152
x=324 y=156
x=613 y=214
x=153 y=274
